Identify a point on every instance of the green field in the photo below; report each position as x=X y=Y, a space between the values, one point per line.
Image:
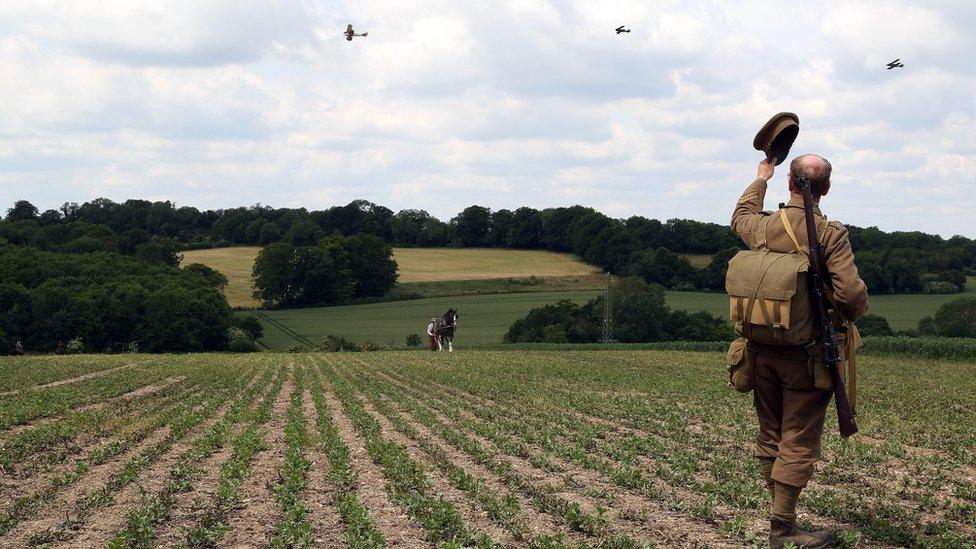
x=902 y=311
x=483 y=318
x=486 y=318
x=488 y=449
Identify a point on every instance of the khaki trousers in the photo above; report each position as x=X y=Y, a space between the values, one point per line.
x=791 y=413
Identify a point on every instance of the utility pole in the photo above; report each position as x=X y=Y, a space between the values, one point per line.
x=608 y=312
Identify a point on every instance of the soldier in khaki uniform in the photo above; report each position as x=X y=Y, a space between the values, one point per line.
x=790 y=408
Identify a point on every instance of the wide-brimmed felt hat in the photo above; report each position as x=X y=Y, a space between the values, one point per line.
x=777 y=136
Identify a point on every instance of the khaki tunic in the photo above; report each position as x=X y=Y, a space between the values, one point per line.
x=849 y=292
x=790 y=409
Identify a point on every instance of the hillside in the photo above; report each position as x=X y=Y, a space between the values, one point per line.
x=483 y=318
x=422 y=270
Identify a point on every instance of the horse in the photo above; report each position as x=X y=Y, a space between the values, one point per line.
x=444 y=329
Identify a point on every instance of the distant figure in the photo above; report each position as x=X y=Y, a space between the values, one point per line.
x=19 y=348
x=443 y=329
x=895 y=64
x=60 y=348
x=621 y=29
x=431 y=336
x=351 y=33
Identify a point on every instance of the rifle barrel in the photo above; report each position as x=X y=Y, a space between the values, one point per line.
x=826 y=338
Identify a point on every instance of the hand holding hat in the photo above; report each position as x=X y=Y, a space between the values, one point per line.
x=777 y=136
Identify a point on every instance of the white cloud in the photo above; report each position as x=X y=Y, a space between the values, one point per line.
x=220 y=103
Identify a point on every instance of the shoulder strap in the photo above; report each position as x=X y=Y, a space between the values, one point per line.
x=789 y=230
x=796 y=243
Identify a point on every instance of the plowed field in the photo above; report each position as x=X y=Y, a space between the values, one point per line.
x=487 y=449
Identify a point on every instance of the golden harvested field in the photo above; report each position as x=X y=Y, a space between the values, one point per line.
x=487 y=449
x=235 y=263
x=416 y=265
x=438 y=264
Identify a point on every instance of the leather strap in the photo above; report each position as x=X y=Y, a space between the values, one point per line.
x=789 y=230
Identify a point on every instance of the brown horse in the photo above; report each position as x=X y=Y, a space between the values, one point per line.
x=444 y=330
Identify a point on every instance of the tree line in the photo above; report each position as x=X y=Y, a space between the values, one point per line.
x=640 y=315
x=890 y=262
x=104 y=301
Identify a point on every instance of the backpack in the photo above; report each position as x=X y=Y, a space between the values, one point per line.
x=768 y=297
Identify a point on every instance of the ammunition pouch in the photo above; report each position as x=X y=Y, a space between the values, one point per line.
x=741 y=364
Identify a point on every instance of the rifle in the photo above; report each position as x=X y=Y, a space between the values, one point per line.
x=826 y=338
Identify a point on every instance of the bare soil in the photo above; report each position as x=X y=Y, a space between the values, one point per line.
x=391 y=519
x=320 y=496
x=254 y=523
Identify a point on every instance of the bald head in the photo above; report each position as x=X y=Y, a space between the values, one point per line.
x=814 y=167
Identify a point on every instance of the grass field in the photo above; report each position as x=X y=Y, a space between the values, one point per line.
x=235 y=263
x=486 y=318
x=608 y=449
x=431 y=271
x=902 y=311
x=483 y=318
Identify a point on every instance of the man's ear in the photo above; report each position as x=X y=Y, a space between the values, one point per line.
x=826 y=188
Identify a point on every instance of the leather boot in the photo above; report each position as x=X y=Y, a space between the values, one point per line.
x=781 y=533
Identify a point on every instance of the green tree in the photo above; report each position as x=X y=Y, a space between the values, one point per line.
x=956 y=318
x=22 y=211
x=210 y=276
x=303 y=232
x=272 y=274
x=612 y=249
x=473 y=227
x=159 y=251
x=372 y=265
x=874 y=325
x=526 y=229
x=662 y=266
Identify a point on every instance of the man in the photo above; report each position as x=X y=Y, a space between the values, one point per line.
x=19 y=348
x=431 y=336
x=789 y=407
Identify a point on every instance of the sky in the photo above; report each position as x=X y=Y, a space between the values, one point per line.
x=219 y=104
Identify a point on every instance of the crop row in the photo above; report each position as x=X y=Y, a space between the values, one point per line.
x=181 y=422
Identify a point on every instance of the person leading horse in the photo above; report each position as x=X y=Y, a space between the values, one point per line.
x=442 y=329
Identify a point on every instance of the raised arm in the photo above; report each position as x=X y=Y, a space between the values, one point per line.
x=746 y=217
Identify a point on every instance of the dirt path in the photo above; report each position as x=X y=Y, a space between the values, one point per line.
x=135 y=393
x=75 y=379
x=398 y=529
x=254 y=524
x=320 y=497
